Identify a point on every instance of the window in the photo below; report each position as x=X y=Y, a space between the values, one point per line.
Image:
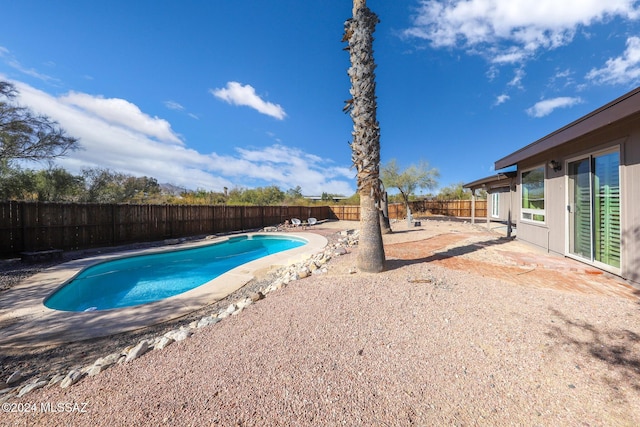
x=533 y=194
x=495 y=205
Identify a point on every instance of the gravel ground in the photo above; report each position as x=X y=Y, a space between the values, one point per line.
x=418 y=344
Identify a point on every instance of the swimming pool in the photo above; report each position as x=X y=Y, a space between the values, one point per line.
x=143 y=279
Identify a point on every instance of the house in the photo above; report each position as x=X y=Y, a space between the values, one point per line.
x=576 y=191
x=501 y=200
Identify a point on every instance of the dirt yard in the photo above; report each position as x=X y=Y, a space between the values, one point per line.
x=464 y=327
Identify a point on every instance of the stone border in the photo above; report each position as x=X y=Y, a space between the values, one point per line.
x=18 y=386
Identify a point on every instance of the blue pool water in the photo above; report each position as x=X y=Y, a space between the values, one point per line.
x=146 y=278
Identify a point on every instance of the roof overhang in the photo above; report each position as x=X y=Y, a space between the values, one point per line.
x=499 y=180
x=625 y=106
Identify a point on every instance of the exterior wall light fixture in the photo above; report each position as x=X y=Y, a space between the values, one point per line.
x=555 y=165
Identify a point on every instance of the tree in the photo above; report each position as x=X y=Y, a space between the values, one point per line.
x=26 y=135
x=103 y=186
x=16 y=184
x=140 y=189
x=454 y=192
x=58 y=185
x=107 y=186
x=365 y=146
x=202 y=197
x=409 y=180
x=259 y=196
x=294 y=193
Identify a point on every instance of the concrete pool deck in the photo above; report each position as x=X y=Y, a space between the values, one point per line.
x=26 y=321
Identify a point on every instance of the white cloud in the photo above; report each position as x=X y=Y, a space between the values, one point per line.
x=237 y=94
x=176 y=106
x=501 y=99
x=289 y=167
x=173 y=105
x=517 y=79
x=137 y=144
x=509 y=31
x=31 y=72
x=15 y=64
x=120 y=112
x=623 y=70
x=514 y=56
x=547 y=106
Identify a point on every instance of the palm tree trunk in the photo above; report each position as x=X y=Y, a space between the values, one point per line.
x=385 y=225
x=366 y=134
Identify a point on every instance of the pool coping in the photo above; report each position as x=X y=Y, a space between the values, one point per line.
x=26 y=321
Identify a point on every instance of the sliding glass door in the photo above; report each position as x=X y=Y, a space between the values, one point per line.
x=580 y=212
x=594 y=209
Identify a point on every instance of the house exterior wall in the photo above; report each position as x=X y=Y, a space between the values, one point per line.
x=630 y=182
x=506 y=203
x=552 y=235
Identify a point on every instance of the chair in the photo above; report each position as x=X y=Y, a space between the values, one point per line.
x=295 y=222
x=312 y=221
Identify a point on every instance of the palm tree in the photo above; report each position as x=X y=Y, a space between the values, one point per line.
x=365 y=146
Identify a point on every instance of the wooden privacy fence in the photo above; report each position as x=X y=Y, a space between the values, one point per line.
x=458 y=208
x=419 y=209
x=34 y=226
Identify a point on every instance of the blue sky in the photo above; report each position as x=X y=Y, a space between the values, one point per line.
x=247 y=93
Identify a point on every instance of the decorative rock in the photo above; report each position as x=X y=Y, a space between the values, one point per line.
x=340 y=251
x=256 y=296
x=206 y=321
x=126 y=350
x=163 y=342
x=94 y=370
x=7 y=394
x=244 y=303
x=56 y=379
x=14 y=378
x=33 y=386
x=72 y=377
x=7 y=390
x=137 y=351
x=278 y=284
x=107 y=361
x=231 y=308
x=179 y=334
